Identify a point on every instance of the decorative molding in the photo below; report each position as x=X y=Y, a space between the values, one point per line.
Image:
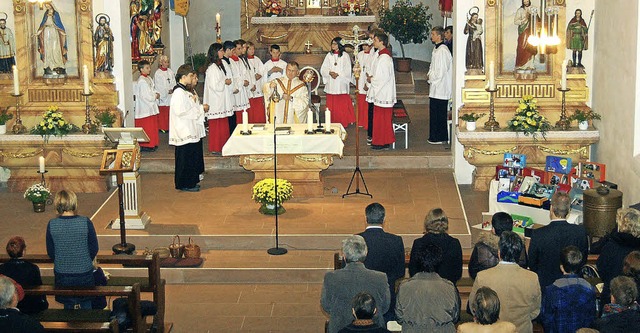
x=85 y=5
x=19 y=6
x=21 y=155
x=515 y=90
x=81 y=154
x=475 y=96
x=584 y=151
x=312 y=19
x=55 y=95
x=491 y=3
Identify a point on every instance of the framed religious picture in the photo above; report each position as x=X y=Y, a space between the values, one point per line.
x=54 y=30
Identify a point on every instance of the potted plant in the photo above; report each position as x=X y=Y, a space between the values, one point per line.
x=407 y=23
x=528 y=119
x=583 y=117
x=38 y=195
x=105 y=118
x=4 y=117
x=470 y=119
x=264 y=194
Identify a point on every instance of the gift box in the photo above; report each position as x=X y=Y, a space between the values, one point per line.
x=508 y=197
x=520 y=223
x=531 y=200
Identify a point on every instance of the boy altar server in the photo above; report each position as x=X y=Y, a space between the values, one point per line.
x=146 y=112
x=165 y=80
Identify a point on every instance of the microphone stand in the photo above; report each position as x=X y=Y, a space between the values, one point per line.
x=275 y=98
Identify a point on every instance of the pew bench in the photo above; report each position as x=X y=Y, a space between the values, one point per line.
x=81 y=327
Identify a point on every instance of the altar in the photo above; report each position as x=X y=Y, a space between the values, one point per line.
x=301 y=157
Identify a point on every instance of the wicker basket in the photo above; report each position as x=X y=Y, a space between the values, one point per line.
x=192 y=250
x=176 y=249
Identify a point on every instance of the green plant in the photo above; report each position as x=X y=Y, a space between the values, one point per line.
x=472 y=116
x=5 y=116
x=264 y=191
x=37 y=193
x=53 y=123
x=199 y=61
x=105 y=118
x=528 y=119
x=582 y=115
x=407 y=23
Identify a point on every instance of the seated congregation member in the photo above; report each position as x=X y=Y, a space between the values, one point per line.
x=11 y=319
x=436 y=224
x=426 y=302
x=547 y=242
x=72 y=244
x=487 y=317
x=622 y=314
x=485 y=252
x=24 y=273
x=340 y=286
x=620 y=244
x=570 y=302
x=385 y=252
x=363 y=309
x=336 y=76
x=517 y=288
x=631 y=268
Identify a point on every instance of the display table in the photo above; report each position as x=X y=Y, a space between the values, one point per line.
x=301 y=157
x=537 y=215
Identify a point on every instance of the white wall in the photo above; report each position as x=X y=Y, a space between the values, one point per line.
x=201 y=21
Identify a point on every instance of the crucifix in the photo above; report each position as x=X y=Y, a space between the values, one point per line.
x=308 y=45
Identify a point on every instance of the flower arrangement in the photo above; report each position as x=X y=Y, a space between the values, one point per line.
x=472 y=117
x=273 y=8
x=582 y=115
x=105 y=118
x=5 y=116
x=351 y=7
x=53 y=123
x=528 y=119
x=264 y=191
x=37 y=193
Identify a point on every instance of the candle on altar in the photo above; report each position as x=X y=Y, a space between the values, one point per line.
x=16 y=81
x=309 y=121
x=563 y=80
x=327 y=120
x=492 y=76
x=41 y=161
x=85 y=79
x=245 y=121
x=218 y=18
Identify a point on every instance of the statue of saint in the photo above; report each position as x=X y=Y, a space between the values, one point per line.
x=577 y=37
x=473 y=28
x=52 y=41
x=524 y=51
x=7 y=47
x=103 y=44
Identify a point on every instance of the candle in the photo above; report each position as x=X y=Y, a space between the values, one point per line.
x=309 y=121
x=85 y=79
x=563 y=80
x=218 y=18
x=492 y=76
x=245 y=121
x=327 y=119
x=16 y=81
x=41 y=160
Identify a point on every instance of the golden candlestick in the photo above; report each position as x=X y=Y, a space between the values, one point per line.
x=89 y=126
x=492 y=124
x=564 y=122
x=18 y=128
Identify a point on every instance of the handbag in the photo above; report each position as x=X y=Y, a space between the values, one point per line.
x=176 y=249
x=192 y=250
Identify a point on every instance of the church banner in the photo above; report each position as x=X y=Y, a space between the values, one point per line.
x=182 y=7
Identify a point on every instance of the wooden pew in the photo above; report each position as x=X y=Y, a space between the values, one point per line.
x=88 y=320
x=153 y=283
x=81 y=327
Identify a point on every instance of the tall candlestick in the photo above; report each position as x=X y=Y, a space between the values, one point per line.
x=16 y=81
x=309 y=121
x=563 y=80
x=492 y=76
x=41 y=161
x=327 y=120
x=245 y=121
x=85 y=79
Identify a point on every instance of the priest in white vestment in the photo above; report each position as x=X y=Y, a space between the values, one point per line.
x=294 y=98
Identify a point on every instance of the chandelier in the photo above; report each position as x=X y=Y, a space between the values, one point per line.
x=548 y=35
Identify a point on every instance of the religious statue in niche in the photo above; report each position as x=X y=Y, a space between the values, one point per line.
x=103 y=44
x=524 y=50
x=474 y=57
x=145 y=28
x=577 y=37
x=7 y=46
x=52 y=43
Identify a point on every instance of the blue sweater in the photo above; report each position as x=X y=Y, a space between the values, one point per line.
x=72 y=243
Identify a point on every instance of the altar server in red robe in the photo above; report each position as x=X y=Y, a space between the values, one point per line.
x=241 y=79
x=146 y=112
x=382 y=87
x=256 y=81
x=336 y=76
x=218 y=97
x=165 y=81
x=365 y=59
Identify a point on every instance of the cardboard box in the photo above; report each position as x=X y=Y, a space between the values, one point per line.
x=508 y=197
x=531 y=200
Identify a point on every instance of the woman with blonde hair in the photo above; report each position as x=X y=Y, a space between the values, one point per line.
x=436 y=224
x=72 y=243
x=619 y=245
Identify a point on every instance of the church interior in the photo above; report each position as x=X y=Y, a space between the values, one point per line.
x=233 y=283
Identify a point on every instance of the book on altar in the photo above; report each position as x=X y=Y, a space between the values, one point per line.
x=283 y=130
x=260 y=127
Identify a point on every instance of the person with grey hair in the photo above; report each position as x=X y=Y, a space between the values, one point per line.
x=385 y=252
x=547 y=242
x=364 y=308
x=487 y=317
x=340 y=286
x=622 y=314
x=11 y=319
x=436 y=224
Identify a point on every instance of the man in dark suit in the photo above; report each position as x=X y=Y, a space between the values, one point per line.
x=11 y=319
x=547 y=242
x=340 y=286
x=385 y=252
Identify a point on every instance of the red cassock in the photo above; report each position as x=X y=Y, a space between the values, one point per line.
x=256 y=111
x=382 y=126
x=218 y=134
x=150 y=126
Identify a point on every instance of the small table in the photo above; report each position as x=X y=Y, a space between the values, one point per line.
x=301 y=157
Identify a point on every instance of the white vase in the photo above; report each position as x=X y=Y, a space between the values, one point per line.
x=270 y=206
x=583 y=125
x=3 y=129
x=471 y=125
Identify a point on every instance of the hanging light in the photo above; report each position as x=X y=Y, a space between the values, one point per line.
x=548 y=35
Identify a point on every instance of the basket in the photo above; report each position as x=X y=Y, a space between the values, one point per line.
x=176 y=249
x=192 y=250
x=163 y=252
